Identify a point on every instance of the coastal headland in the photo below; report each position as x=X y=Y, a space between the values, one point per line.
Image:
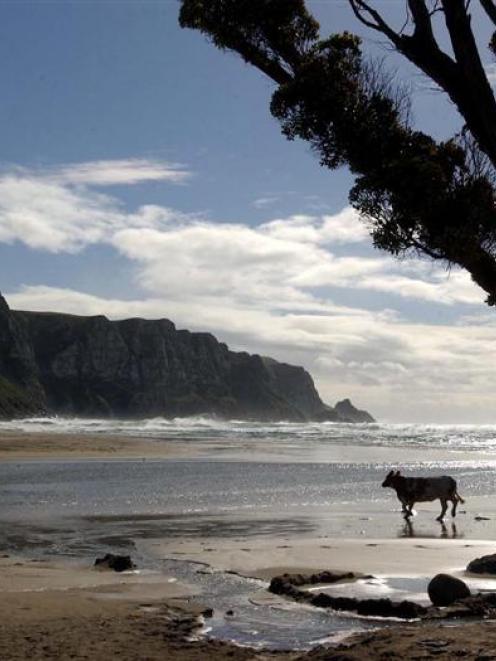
x=64 y=364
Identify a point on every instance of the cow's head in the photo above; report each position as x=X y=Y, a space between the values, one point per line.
x=390 y=480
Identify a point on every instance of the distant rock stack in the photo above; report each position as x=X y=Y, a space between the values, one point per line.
x=349 y=413
x=136 y=368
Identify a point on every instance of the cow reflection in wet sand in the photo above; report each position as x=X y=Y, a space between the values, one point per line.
x=408 y=530
x=411 y=490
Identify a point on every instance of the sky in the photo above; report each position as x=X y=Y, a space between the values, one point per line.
x=141 y=174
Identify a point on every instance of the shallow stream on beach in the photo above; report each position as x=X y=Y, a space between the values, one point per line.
x=246 y=482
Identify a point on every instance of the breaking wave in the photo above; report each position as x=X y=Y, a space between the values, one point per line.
x=447 y=437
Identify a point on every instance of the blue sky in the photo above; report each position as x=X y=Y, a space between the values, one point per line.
x=142 y=174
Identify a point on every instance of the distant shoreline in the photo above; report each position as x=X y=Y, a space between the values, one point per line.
x=40 y=445
x=59 y=445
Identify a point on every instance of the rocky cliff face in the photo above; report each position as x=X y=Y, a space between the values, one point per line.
x=90 y=366
x=20 y=390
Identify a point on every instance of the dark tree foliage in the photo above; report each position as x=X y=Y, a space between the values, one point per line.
x=416 y=194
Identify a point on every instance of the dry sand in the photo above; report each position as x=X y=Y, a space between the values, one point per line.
x=18 y=447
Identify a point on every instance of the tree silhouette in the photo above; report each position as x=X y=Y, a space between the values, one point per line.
x=415 y=193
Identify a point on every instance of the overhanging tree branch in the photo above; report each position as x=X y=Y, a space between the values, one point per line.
x=472 y=92
x=490 y=9
x=416 y=194
x=361 y=9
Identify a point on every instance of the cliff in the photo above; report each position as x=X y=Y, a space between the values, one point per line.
x=21 y=393
x=90 y=366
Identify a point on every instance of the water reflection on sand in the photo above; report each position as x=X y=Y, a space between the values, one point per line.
x=445 y=531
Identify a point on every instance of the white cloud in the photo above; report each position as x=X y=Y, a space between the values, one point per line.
x=123 y=171
x=456 y=287
x=47 y=216
x=58 y=210
x=279 y=263
x=263 y=202
x=344 y=227
x=276 y=263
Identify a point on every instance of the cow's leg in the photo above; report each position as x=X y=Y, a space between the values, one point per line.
x=454 y=500
x=444 y=504
x=409 y=508
x=403 y=505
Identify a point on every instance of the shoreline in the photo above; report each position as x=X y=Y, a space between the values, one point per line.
x=37 y=446
x=59 y=446
x=53 y=607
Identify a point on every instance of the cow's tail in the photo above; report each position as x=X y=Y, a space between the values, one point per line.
x=458 y=497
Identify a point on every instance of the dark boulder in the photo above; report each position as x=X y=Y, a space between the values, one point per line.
x=444 y=590
x=116 y=562
x=484 y=565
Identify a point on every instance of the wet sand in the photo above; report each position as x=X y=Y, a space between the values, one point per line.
x=21 y=574
x=38 y=446
x=81 y=622
x=52 y=610
x=385 y=557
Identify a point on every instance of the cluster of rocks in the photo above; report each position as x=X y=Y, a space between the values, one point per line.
x=289 y=585
x=450 y=596
x=446 y=592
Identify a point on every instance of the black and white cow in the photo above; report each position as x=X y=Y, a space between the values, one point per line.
x=411 y=490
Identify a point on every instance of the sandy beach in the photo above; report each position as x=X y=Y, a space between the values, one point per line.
x=62 y=608
x=19 y=447
x=54 y=610
x=265 y=559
